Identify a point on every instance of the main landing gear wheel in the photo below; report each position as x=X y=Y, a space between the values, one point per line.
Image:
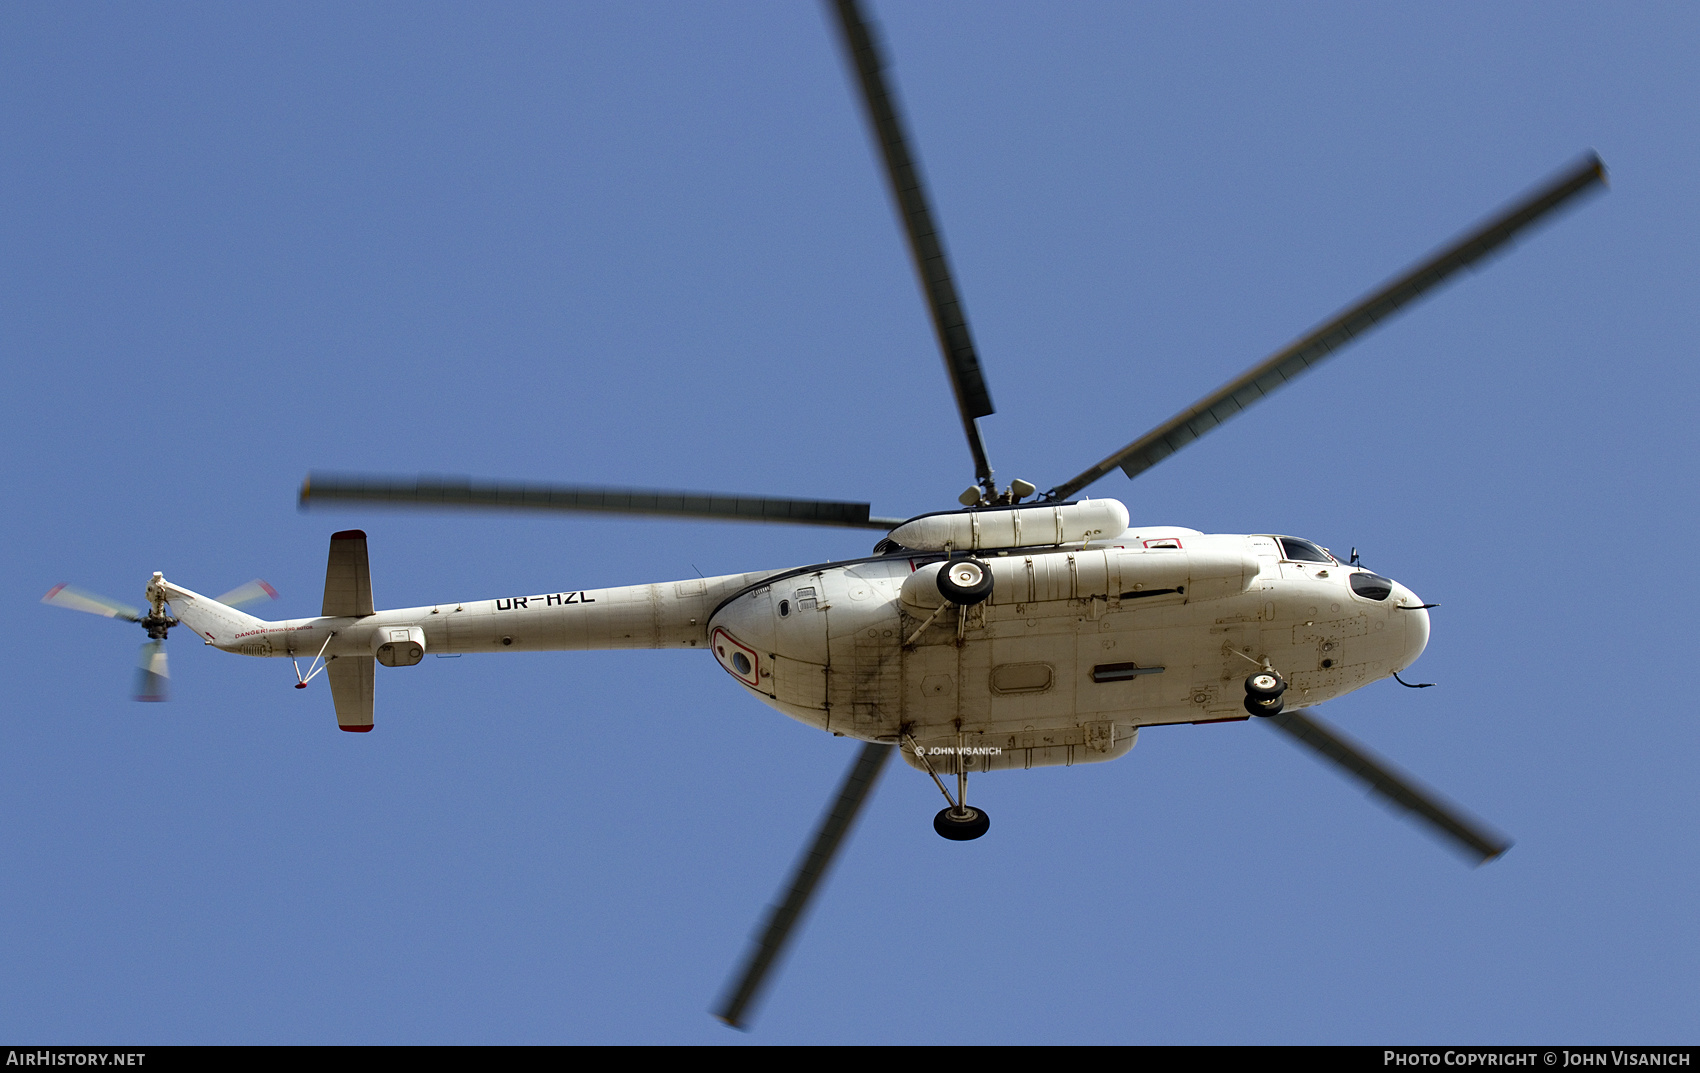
x=959 y=822
x=1263 y=693
x=961 y=825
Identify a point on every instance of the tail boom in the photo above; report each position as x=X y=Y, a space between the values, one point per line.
x=663 y=615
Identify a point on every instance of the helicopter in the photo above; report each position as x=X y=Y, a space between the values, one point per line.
x=1025 y=629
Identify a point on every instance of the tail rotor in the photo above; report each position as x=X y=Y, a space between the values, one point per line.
x=78 y=600
x=153 y=677
x=153 y=680
x=251 y=593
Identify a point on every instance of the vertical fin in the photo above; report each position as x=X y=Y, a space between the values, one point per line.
x=348 y=578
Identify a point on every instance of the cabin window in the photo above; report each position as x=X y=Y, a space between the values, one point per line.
x=1303 y=551
x=784 y=608
x=1371 y=586
x=1164 y=542
x=805 y=598
x=1021 y=678
x=740 y=663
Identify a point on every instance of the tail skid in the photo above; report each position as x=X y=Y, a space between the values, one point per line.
x=315 y=668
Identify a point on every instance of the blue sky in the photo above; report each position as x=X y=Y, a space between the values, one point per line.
x=647 y=245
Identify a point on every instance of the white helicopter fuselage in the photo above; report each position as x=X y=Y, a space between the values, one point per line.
x=1074 y=650
x=1076 y=646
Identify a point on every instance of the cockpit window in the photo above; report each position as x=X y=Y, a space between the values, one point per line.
x=1371 y=586
x=1303 y=551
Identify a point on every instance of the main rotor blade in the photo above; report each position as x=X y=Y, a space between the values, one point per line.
x=1267 y=377
x=926 y=244
x=321 y=488
x=810 y=869
x=1469 y=836
x=78 y=600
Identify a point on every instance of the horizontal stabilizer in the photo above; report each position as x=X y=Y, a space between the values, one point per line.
x=348 y=577
x=351 y=689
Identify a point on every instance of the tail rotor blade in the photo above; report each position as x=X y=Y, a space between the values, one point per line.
x=153 y=679
x=78 y=600
x=251 y=593
x=782 y=918
x=1468 y=835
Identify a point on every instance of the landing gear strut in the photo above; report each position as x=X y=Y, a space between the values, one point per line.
x=959 y=823
x=1263 y=693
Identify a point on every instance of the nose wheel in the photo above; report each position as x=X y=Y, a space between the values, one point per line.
x=1263 y=693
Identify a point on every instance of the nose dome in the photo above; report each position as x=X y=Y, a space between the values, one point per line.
x=1416 y=623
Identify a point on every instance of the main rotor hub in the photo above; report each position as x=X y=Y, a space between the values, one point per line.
x=986 y=494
